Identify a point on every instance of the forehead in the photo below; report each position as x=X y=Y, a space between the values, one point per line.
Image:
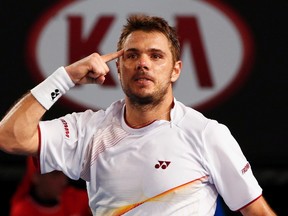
x=146 y=40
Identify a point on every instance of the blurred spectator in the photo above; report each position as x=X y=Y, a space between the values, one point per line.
x=48 y=195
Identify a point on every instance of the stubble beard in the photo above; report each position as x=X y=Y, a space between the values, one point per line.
x=147 y=101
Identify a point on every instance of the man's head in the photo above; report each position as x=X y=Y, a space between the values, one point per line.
x=149 y=24
x=150 y=62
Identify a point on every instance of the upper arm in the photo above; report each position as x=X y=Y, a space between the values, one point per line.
x=19 y=127
x=64 y=142
x=230 y=171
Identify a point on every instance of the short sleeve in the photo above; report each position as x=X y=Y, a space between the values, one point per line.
x=63 y=143
x=231 y=172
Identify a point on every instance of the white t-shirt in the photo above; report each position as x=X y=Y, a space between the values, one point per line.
x=166 y=168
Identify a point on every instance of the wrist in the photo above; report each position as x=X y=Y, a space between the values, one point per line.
x=52 y=88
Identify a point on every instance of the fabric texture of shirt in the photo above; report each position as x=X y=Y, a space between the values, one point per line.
x=167 y=168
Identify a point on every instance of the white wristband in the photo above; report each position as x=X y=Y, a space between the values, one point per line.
x=52 y=88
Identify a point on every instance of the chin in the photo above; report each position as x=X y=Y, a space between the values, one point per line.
x=141 y=99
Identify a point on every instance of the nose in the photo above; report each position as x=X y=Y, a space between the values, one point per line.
x=143 y=63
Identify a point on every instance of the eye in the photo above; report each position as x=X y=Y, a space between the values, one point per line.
x=131 y=55
x=156 y=56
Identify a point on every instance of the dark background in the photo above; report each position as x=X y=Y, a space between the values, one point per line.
x=256 y=113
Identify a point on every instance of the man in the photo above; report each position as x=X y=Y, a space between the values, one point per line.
x=147 y=154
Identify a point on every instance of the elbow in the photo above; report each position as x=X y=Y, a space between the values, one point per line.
x=9 y=149
x=13 y=147
x=18 y=140
x=8 y=142
x=3 y=139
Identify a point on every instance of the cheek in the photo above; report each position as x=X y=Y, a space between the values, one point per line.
x=123 y=77
x=124 y=71
x=127 y=67
x=165 y=72
x=120 y=71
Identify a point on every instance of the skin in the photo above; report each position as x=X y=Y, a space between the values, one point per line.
x=146 y=72
x=19 y=127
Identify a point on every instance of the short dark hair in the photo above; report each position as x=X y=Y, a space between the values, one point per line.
x=147 y=23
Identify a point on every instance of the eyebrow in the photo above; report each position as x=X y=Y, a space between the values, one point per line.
x=150 y=50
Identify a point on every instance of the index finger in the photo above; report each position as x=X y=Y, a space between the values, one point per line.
x=111 y=56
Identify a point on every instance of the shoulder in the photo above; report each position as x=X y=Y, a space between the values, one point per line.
x=195 y=124
x=187 y=117
x=95 y=116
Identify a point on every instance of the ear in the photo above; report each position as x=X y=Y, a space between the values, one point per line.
x=176 y=71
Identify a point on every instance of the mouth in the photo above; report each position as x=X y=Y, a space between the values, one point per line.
x=143 y=80
x=138 y=77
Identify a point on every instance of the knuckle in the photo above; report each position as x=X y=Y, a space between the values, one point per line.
x=95 y=55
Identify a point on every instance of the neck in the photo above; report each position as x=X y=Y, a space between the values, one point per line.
x=141 y=116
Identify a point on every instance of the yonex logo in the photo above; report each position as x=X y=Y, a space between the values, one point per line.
x=162 y=164
x=55 y=94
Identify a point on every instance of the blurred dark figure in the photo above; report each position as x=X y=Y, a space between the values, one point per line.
x=48 y=195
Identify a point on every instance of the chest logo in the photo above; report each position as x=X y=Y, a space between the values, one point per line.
x=162 y=164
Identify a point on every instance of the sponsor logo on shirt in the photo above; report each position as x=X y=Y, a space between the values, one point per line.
x=246 y=168
x=162 y=164
x=66 y=128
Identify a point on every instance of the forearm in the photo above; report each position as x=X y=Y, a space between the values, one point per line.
x=259 y=207
x=18 y=129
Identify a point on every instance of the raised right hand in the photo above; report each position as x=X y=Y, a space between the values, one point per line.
x=91 y=69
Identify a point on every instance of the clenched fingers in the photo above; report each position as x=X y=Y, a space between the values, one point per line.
x=91 y=69
x=100 y=67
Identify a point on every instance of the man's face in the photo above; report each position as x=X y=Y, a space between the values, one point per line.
x=146 y=69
